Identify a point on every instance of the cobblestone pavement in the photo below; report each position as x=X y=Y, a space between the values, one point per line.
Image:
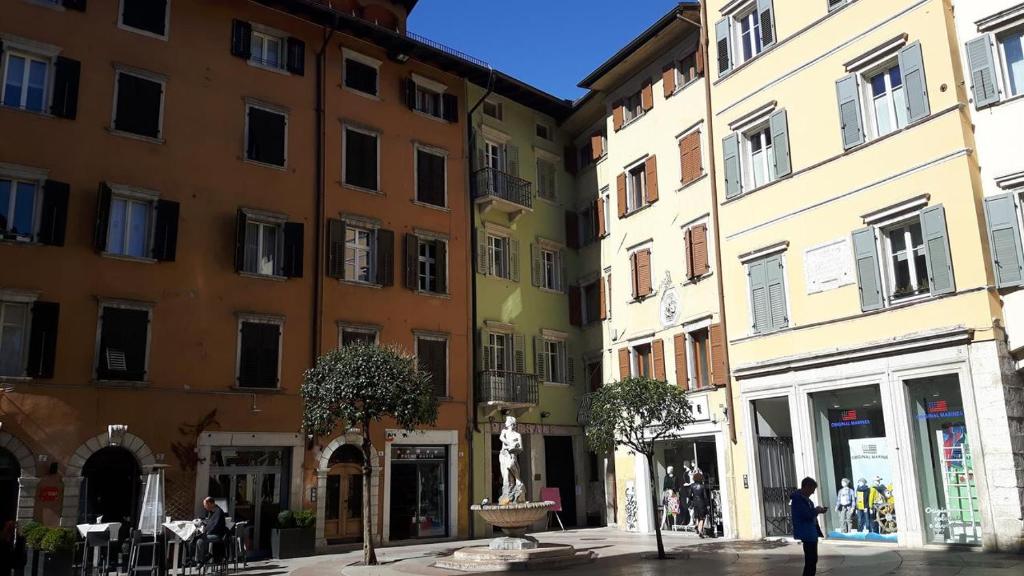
x=632 y=554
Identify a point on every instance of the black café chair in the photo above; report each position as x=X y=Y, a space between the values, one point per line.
x=96 y=543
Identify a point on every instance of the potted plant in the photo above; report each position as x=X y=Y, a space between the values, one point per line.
x=33 y=533
x=58 y=548
x=294 y=534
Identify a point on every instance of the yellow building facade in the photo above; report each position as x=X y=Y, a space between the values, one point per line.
x=864 y=328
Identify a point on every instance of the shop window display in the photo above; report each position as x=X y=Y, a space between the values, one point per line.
x=677 y=461
x=852 y=446
x=949 y=493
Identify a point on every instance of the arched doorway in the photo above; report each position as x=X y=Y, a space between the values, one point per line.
x=111 y=484
x=10 y=471
x=343 y=499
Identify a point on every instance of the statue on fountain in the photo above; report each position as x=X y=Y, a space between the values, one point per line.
x=511 y=446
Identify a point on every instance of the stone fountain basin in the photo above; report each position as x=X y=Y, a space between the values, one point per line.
x=513 y=516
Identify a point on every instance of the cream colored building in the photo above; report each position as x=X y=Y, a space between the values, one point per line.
x=648 y=277
x=865 y=331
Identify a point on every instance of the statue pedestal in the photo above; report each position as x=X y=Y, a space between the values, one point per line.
x=513 y=543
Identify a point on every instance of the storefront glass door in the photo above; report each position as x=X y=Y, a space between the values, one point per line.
x=776 y=471
x=851 y=445
x=250 y=484
x=949 y=494
x=419 y=492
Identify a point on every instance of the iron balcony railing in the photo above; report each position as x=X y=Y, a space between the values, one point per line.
x=583 y=409
x=490 y=182
x=498 y=386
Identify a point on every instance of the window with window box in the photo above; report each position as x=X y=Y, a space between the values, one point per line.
x=554 y=366
x=259 y=351
x=266 y=134
x=362 y=150
x=28 y=335
x=360 y=251
x=498 y=255
x=351 y=334
x=904 y=258
x=267 y=245
x=431 y=98
x=547 y=176
x=426 y=263
x=362 y=73
x=432 y=357
x=431 y=176
x=123 y=348
x=135 y=223
x=768 y=308
x=139 y=103
x=493 y=109
x=148 y=17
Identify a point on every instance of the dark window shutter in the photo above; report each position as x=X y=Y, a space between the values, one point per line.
x=450 y=106
x=99 y=237
x=409 y=93
x=259 y=355
x=722 y=38
x=241 y=221
x=572 y=229
x=850 y=120
x=914 y=83
x=165 y=231
x=688 y=245
x=983 y=71
x=575 y=303
x=335 y=248
x=442 y=267
x=271 y=354
x=571 y=160
x=241 y=39
x=1004 y=240
x=138 y=105
x=765 y=13
x=42 y=344
x=293 y=243
x=780 y=143
x=731 y=159
x=868 y=275
x=148 y=15
x=385 y=257
x=67 y=73
x=54 y=213
x=936 y=250
x=124 y=332
x=360 y=159
x=78 y=5
x=296 y=56
x=266 y=136
x=412 y=261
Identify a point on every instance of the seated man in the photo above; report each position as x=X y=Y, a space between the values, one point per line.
x=215 y=529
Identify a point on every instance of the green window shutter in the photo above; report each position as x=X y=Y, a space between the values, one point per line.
x=914 y=82
x=512 y=162
x=983 y=71
x=731 y=159
x=570 y=367
x=868 y=276
x=519 y=353
x=484 y=351
x=936 y=250
x=760 y=317
x=780 y=143
x=540 y=366
x=483 y=259
x=513 y=260
x=537 y=274
x=776 y=292
x=722 y=39
x=765 y=13
x=851 y=124
x=1004 y=240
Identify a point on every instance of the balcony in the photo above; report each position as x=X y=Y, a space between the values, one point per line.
x=494 y=189
x=507 y=389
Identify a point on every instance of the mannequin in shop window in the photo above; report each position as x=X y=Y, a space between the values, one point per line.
x=670 y=501
x=845 y=499
x=864 y=512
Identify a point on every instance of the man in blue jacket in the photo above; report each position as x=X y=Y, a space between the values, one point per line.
x=805 y=523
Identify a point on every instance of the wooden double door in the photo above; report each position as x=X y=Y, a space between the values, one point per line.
x=343 y=505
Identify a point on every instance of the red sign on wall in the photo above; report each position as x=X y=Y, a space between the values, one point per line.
x=48 y=494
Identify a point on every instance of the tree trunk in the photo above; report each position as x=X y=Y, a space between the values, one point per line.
x=654 y=502
x=369 y=555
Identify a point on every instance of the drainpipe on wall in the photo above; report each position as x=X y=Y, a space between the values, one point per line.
x=714 y=211
x=470 y=404
x=321 y=186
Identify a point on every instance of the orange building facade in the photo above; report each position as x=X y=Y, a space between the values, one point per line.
x=197 y=201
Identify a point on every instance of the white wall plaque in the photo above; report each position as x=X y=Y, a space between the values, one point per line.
x=828 y=266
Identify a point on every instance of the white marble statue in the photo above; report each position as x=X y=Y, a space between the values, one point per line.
x=508 y=459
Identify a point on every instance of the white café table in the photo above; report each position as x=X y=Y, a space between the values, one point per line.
x=85 y=529
x=184 y=531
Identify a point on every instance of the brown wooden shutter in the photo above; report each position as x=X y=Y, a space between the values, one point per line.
x=620 y=184
x=602 y=292
x=601 y=224
x=668 y=79
x=679 y=346
x=699 y=240
x=719 y=374
x=575 y=311
x=688 y=241
x=623 y=363
x=689 y=155
x=617 y=116
x=643 y=272
x=412 y=261
x=651 y=167
x=647 y=96
x=658 y=350
x=700 y=59
x=596 y=145
x=385 y=257
x=634 y=274
x=572 y=229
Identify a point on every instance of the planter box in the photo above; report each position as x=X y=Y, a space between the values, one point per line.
x=291 y=542
x=31 y=561
x=55 y=563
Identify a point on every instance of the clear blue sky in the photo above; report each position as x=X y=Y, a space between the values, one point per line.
x=551 y=44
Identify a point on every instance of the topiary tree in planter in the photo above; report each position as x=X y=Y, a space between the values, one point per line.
x=294 y=535
x=32 y=533
x=362 y=383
